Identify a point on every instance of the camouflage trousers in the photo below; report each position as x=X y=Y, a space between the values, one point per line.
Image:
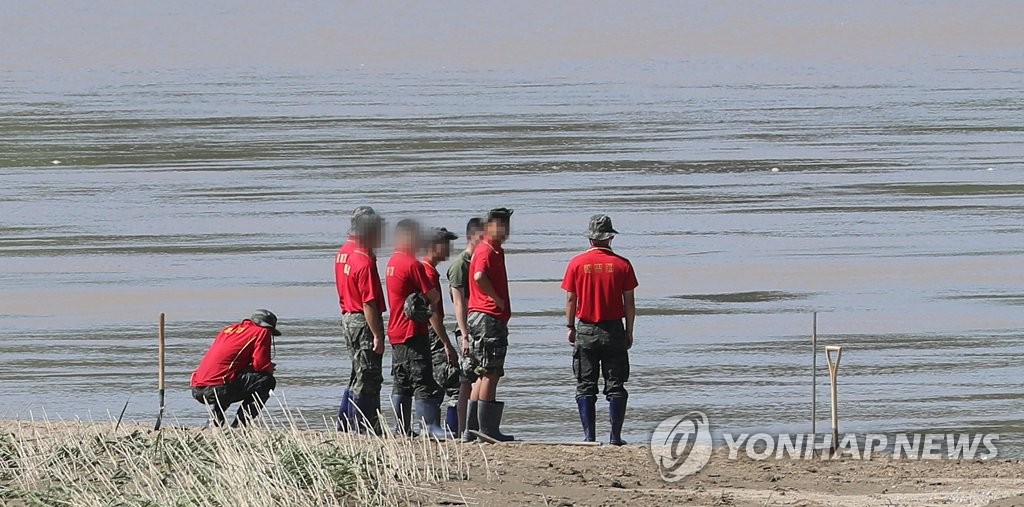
x=448 y=376
x=600 y=350
x=413 y=369
x=488 y=344
x=367 y=374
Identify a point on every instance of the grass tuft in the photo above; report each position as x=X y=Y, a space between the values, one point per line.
x=278 y=463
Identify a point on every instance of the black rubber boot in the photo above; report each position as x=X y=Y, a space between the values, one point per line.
x=451 y=419
x=472 y=421
x=429 y=413
x=489 y=414
x=367 y=414
x=588 y=417
x=616 y=415
x=402 y=405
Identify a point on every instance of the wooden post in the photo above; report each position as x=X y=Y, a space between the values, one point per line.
x=833 y=372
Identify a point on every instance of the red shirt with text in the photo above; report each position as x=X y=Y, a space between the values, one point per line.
x=599 y=277
x=405 y=275
x=237 y=348
x=360 y=281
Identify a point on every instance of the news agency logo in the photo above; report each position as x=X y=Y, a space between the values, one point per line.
x=682 y=445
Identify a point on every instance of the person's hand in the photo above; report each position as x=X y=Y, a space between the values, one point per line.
x=500 y=303
x=465 y=345
x=273 y=367
x=378 y=345
x=453 y=356
x=572 y=336
x=629 y=340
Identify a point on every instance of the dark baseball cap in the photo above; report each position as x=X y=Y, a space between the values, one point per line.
x=440 y=235
x=503 y=214
x=601 y=228
x=267 y=319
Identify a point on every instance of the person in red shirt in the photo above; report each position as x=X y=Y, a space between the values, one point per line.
x=489 y=313
x=237 y=368
x=362 y=305
x=599 y=293
x=346 y=412
x=443 y=355
x=410 y=290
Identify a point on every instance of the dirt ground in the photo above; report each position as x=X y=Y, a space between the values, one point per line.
x=605 y=475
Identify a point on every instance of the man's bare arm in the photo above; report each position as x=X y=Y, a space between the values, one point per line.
x=570 y=315
x=488 y=289
x=376 y=324
x=461 y=311
x=629 y=302
x=437 y=323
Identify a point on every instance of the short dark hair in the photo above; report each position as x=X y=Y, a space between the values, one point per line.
x=475 y=225
x=407 y=225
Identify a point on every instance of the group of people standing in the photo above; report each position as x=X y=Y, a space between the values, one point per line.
x=427 y=363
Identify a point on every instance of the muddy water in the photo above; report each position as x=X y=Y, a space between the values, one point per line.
x=895 y=212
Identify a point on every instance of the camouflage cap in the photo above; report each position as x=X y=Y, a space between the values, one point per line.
x=267 y=319
x=417 y=308
x=440 y=235
x=503 y=214
x=364 y=220
x=601 y=228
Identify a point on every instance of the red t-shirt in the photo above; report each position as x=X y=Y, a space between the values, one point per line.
x=490 y=260
x=237 y=348
x=598 y=277
x=434 y=278
x=360 y=281
x=405 y=276
x=339 y=269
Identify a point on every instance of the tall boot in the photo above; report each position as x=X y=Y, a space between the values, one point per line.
x=489 y=413
x=587 y=407
x=367 y=413
x=402 y=405
x=451 y=419
x=346 y=414
x=373 y=414
x=616 y=415
x=429 y=413
x=472 y=421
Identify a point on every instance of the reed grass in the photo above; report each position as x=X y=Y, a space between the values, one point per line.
x=280 y=461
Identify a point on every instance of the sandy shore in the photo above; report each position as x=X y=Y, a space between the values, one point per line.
x=566 y=475
x=563 y=475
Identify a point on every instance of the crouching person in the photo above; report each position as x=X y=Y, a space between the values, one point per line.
x=237 y=369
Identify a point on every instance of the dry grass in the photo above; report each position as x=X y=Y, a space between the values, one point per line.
x=281 y=462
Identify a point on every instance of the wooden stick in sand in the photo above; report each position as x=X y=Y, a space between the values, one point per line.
x=833 y=372
x=160 y=372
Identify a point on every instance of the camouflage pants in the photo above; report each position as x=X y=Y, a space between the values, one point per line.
x=448 y=376
x=367 y=372
x=601 y=351
x=488 y=344
x=413 y=369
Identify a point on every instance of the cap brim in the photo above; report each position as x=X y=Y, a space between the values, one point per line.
x=602 y=236
x=275 y=332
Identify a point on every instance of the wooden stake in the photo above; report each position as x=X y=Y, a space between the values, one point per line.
x=833 y=372
x=160 y=372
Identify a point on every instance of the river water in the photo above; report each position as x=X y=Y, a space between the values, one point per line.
x=749 y=194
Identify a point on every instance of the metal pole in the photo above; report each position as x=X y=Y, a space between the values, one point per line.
x=814 y=374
